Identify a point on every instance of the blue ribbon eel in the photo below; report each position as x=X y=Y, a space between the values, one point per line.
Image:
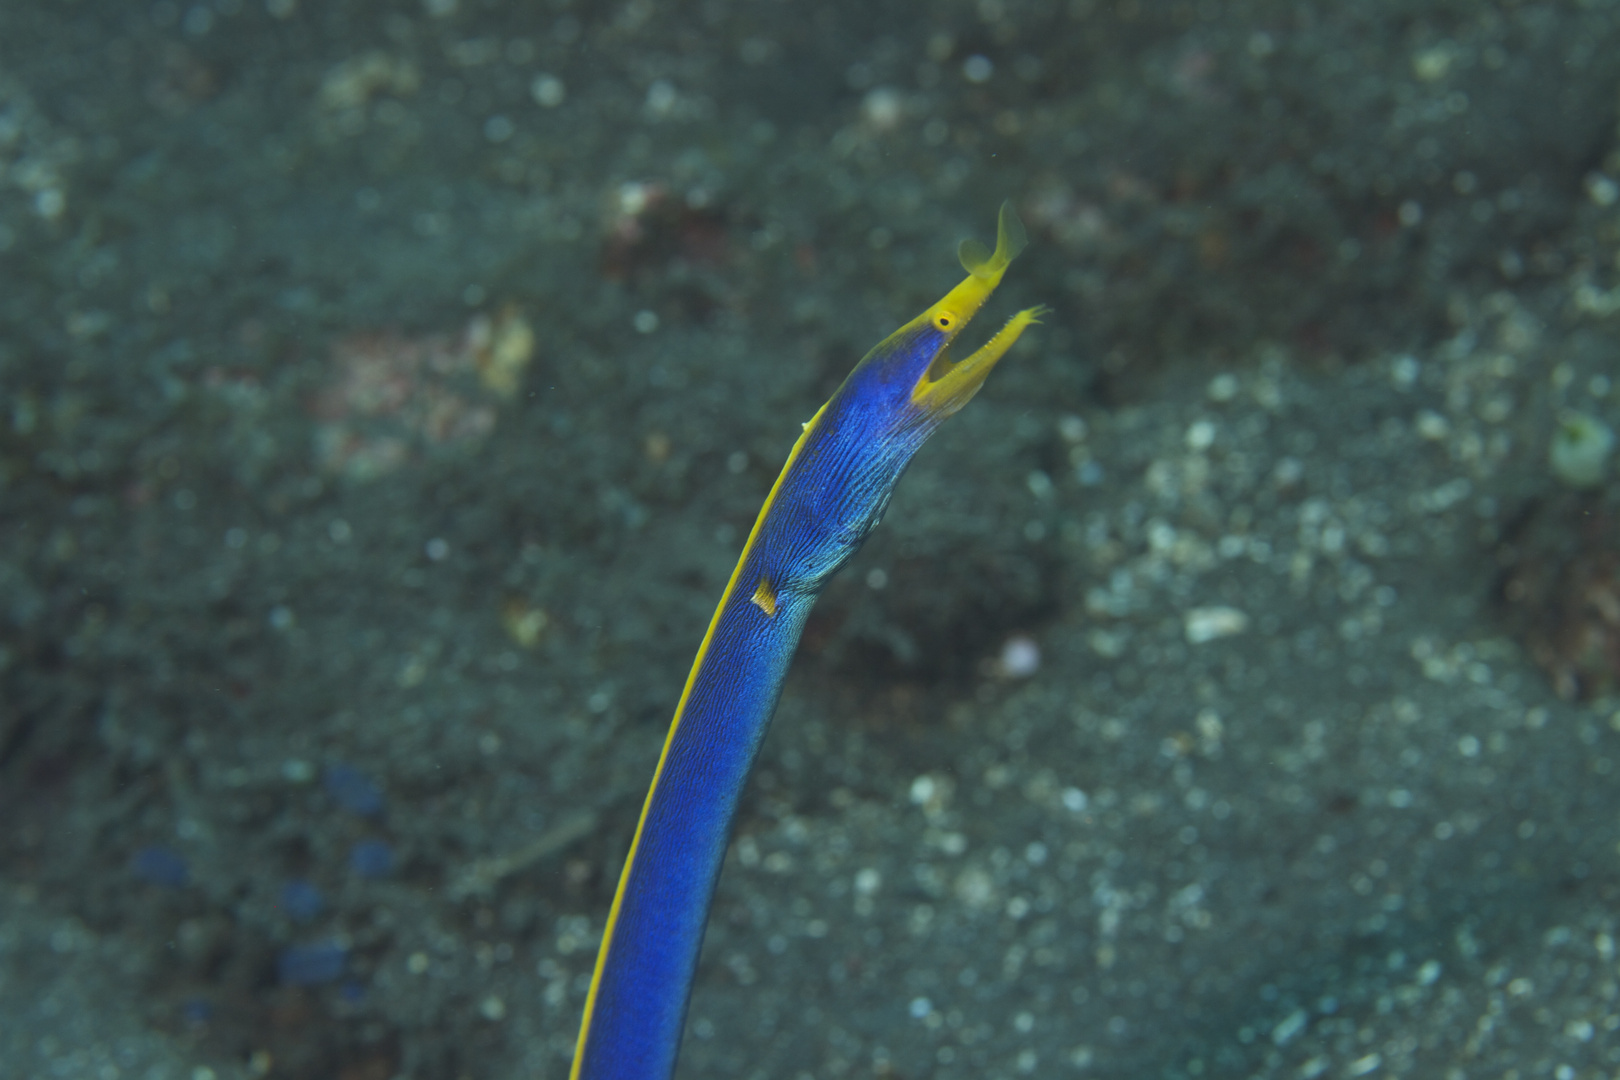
x=829 y=496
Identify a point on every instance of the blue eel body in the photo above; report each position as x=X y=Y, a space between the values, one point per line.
x=829 y=496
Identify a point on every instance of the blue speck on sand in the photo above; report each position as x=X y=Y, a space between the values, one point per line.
x=160 y=866
x=197 y=1011
x=311 y=965
x=301 y=900
x=352 y=992
x=372 y=858
x=352 y=790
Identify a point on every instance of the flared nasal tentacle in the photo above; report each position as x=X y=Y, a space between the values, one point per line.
x=989 y=265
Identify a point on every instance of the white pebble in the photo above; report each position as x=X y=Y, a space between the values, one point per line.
x=548 y=91
x=1209 y=623
x=1020 y=657
x=883 y=108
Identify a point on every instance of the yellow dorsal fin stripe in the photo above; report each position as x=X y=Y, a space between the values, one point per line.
x=764 y=597
x=732 y=584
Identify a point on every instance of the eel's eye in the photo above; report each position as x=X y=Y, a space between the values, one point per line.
x=942 y=321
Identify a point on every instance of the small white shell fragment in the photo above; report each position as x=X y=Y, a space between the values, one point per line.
x=883 y=108
x=1020 y=657
x=1289 y=1027
x=1208 y=623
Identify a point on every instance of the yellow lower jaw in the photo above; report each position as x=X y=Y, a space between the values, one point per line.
x=946 y=387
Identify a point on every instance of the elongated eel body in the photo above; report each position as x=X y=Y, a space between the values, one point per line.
x=829 y=496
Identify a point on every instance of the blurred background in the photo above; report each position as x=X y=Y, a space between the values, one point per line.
x=386 y=389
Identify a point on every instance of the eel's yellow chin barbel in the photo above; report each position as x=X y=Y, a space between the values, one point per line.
x=831 y=493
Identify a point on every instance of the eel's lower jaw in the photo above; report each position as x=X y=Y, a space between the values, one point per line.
x=947 y=386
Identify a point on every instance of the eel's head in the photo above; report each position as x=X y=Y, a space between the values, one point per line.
x=917 y=357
